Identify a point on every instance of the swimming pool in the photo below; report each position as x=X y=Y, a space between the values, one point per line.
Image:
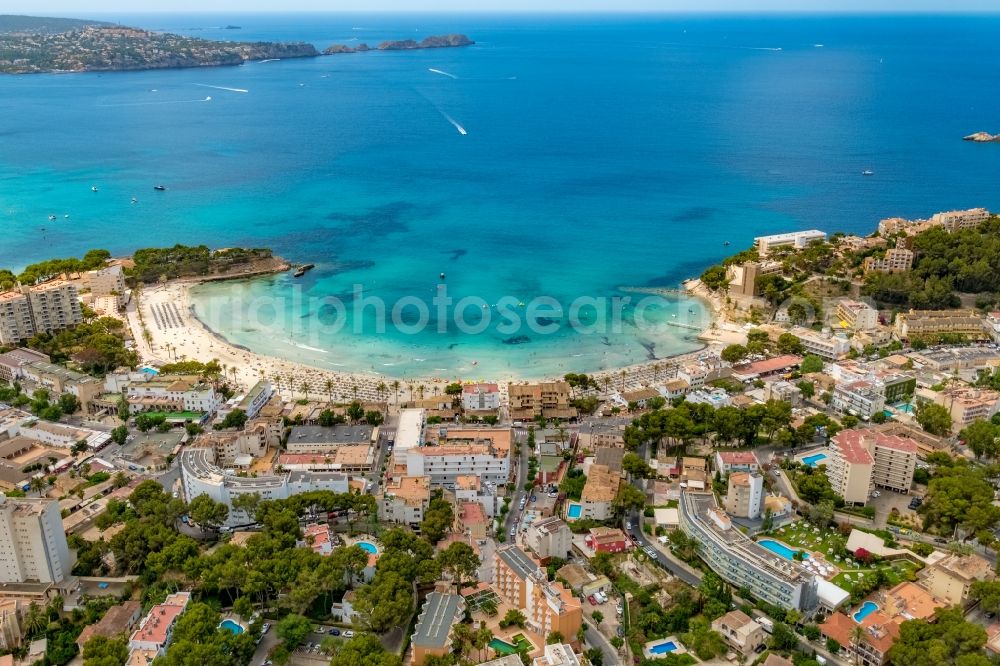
x=367 y=547
x=232 y=626
x=780 y=549
x=814 y=459
x=866 y=609
x=663 y=648
x=904 y=407
x=505 y=648
x=575 y=510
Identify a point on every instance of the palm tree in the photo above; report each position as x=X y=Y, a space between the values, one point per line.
x=37 y=484
x=305 y=389
x=420 y=390
x=329 y=389
x=624 y=374
x=381 y=388
x=35 y=620
x=354 y=390
x=857 y=635
x=395 y=387
x=481 y=640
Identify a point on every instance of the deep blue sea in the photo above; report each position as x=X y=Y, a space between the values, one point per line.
x=599 y=152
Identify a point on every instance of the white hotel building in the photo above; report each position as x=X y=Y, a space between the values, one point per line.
x=33 y=546
x=443 y=464
x=201 y=476
x=743 y=562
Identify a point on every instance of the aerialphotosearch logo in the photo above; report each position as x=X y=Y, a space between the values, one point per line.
x=313 y=318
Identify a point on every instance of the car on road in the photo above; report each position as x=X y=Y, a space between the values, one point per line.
x=940 y=540
x=335 y=632
x=267 y=625
x=649 y=551
x=348 y=634
x=513 y=530
x=592 y=600
x=628 y=526
x=534 y=498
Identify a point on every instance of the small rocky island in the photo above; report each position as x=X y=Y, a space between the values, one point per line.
x=982 y=137
x=33 y=45
x=432 y=42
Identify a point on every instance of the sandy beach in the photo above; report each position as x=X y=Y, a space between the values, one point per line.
x=167 y=331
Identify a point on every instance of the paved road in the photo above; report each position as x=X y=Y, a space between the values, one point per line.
x=522 y=471
x=667 y=561
x=596 y=639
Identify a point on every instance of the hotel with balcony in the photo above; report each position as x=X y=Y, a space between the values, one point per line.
x=523 y=584
x=741 y=561
x=861 y=460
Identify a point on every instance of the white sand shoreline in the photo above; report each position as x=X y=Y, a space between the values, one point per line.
x=176 y=333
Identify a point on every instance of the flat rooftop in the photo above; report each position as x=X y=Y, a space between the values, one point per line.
x=439 y=613
x=338 y=434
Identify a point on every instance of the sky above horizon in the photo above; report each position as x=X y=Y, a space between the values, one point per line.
x=80 y=8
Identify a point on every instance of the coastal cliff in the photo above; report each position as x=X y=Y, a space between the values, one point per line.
x=103 y=48
x=432 y=42
x=982 y=137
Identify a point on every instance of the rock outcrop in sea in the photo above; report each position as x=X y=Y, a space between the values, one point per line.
x=982 y=137
x=432 y=42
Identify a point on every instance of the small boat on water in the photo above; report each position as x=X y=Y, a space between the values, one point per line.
x=159 y=188
x=867 y=172
x=52 y=217
x=442 y=276
x=301 y=270
x=134 y=200
x=94 y=188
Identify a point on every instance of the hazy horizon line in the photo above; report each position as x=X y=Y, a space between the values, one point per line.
x=854 y=11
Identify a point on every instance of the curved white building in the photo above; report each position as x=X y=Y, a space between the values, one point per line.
x=201 y=475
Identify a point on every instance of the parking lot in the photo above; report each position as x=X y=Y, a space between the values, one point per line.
x=611 y=620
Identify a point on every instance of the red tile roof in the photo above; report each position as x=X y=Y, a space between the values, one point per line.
x=771 y=364
x=851 y=444
x=738 y=457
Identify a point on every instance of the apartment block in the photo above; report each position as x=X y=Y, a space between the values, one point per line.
x=13 y=362
x=740 y=632
x=599 y=493
x=857 y=315
x=741 y=561
x=824 y=345
x=743 y=277
x=895 y=260
x=322 y=439
x=33 y=546
x=173 y=393
x=956 y=220
x=548 y=399
x=863 y=399
x=54 y=305
x=736 y=461
x=549 y=537
x=432 y=635
x=480 y=397
x=522 y=583
x=745 y=495
x=795 y=240
x=860 y=460
x=916 y=323
x=156 y=629
x=951 y=578
x=16 y=324
x=968 y=404
x=444 y=464
x=405 y=499
x=107 y=282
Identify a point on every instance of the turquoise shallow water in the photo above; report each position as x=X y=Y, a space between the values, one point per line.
x=600 y=153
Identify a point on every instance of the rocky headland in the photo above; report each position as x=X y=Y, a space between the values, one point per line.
x=982 y=137
x=432 y=42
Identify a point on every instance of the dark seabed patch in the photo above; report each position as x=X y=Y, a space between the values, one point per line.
x=695 y=214
x=455 y=254
x=376 y=221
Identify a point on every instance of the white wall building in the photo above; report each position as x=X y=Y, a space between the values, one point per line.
x=443 y=464
x=549 y=537
x=33 y=546
x=824 y=345
x=795 y=240
x=480 y=397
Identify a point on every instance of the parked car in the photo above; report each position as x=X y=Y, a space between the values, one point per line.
x=628 y=526
x=267 y=625
x=592 y=600
x=348 y=634
x=335 y=632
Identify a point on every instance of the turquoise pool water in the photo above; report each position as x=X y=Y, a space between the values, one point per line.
x=231 y=626
x=814 y=459
x=780 y=549
x=574 y=510
x=663 y=648
x=904 y=407
x=368 y=547
x=866 y=609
